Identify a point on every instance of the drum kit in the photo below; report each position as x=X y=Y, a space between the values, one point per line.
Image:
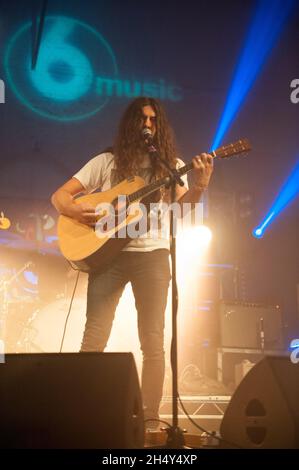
x=33 y=277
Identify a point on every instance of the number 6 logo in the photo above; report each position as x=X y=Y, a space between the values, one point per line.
x=63 y=72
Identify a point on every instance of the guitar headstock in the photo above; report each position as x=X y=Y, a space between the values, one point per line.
x=237 y=148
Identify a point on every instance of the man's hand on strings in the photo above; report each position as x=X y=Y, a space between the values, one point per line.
x=202 y=170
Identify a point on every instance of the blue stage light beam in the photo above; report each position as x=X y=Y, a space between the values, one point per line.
x=267 y=24
x=288 y=193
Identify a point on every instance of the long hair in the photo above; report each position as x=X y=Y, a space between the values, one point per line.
x=129 y=148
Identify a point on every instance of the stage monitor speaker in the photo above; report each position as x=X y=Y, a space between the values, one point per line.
x=246 y=325
x=70 y=400
x=264 y=410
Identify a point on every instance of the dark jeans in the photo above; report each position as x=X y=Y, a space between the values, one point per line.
x=149 y=274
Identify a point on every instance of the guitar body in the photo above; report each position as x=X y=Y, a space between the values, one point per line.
x=81 y=245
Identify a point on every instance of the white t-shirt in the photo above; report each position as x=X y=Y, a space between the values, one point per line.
x=100 y=173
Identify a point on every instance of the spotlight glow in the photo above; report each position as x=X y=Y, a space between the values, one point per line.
x=258 y=232
x=194 y=240
x=203 y=234
x=288 y=192
x=192 y=250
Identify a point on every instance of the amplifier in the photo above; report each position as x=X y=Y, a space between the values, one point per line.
x=250 y=325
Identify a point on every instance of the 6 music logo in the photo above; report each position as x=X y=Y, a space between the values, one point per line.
x=76 y=73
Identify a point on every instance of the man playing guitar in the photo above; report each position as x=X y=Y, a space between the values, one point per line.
x=143 y=261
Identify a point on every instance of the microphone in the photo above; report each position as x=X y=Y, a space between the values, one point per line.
x=147 y=135
x=148 y=139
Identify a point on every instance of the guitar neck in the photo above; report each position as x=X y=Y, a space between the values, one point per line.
x=152 y=187
x=242 y=146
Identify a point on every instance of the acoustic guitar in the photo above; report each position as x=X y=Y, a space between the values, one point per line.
x=92 y=248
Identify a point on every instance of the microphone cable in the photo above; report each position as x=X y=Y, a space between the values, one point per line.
x=69 y=311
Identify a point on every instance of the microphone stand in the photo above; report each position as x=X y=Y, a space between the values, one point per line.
x=175 y=437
